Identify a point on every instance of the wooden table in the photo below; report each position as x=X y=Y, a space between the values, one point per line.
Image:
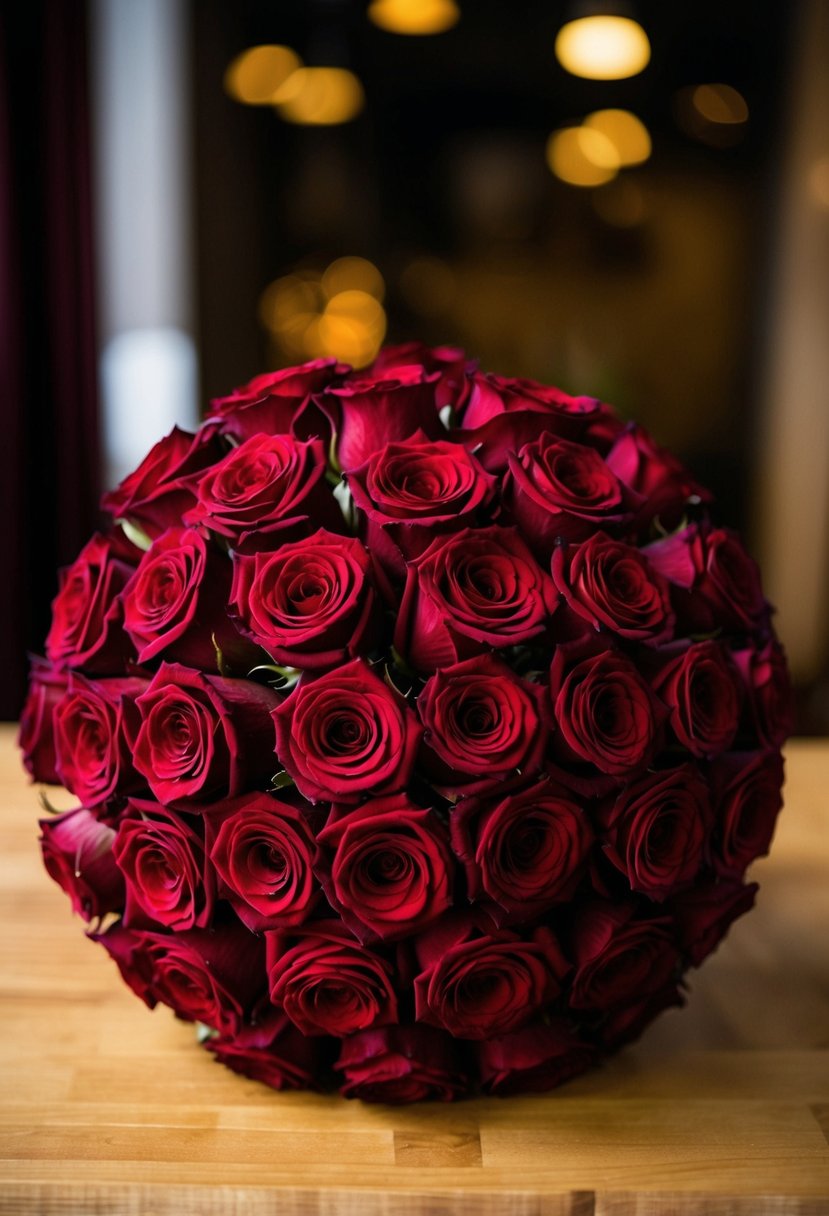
x=724 y=1108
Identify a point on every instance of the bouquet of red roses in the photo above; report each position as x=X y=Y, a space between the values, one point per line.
x=423 y=726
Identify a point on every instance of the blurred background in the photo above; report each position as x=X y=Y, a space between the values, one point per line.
x=630 y=200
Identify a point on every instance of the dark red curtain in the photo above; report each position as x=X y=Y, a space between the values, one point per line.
x=49 y=447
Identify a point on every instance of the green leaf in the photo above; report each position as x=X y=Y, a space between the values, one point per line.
x=137 y=535
x=222 y=667
x=333 y=462
x=205 y=1033
x=281 y=781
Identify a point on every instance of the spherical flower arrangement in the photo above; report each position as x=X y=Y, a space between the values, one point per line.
x=423 y=725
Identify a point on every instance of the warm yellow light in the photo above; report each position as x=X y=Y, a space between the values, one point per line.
x=320 y=96
x=626 y=132
x=350 y=273
x=352 y=328
x=291 y=296
x=719 y=103
x=819 y=183
x=258 y=73
x=414 y=16
x=603 y=48
x=359 y=307
x=582 y=157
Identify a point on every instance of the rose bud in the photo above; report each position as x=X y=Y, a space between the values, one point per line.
x=391 y=868
x=611 y=586
x=770 y=697
x=397 y=1064
x=605 y=712
x=662 y=483
x=87 y=620
x=96 y=723
x=704 y=914
x=155 y=496
x=481 y=982
x=36 y=737
x=327 y=983
x=346 y=734
x=698 y=684
x=77 y=854
x=453 y=365
x=747 y=797
x=482 y=724
x=656 y=829
x=537 y=1058
x=368 y=412
x=626 y=1024
x=711 y=563
x=556 y=490
x=264 y=852
x=269 y=489
x=163 y=861
x=411 y=491
x=203 y=737
x=312 y=604
x=268 y=1047
x=277 y=402
x=476 y=589
x=619 y=958
x=523 y=853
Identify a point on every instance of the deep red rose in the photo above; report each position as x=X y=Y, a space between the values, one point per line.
x=203 y=737
x=476 y=589
x=626 y=1023
x=36 y=737
x=346 y=734
x=525 y=852
x=327 y=983
x=770 y=697
x=557 y=490
x=700 y=689
x=77 y=854
x=451 y=362
x=482 y=723
x=276 y=402
x=162 y=858
x=704 y=914
x=390 y=871
x=662 y=483
x=269 y=1048
x=87 y=621
x=312 y=604
x=264 y=851
x=716 y=583
x=413 y=490
x=155 y=496
x=605 y=712
x=610 y=585
x=397 y=1064
x=534 y=1059
x=480 y=983
x=368 y=412
x=655 y=830
x=619 y=958
x=747 y=795
x=96 y=723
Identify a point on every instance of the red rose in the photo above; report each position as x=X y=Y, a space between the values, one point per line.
x=770 y=698
x=482 y=724
x=155 y=496
x=87 y=623
x=36 y=738
x=327 y=983
x=312 y=604
x=203 y=737
x=626 y=1023
x=269 y=1048
x=610 y=585
x=176 y=604
x=525 y=852
x=396 y=1064
x=346 y=734
x=412 y=490
x=605 y=712
x=77 y=854
x=704 y=914
x=656 y=829
x=700 y=689
x=95 y=727
x=277 y=402
x=368 y=412
x=717 y=583
x=556 y=490
x=747 y=798
x=662 y=482
x=534 y=1059
x=264 y=852
x=477 y=589
x=391 y=871
x=450 y=362
x=478 y=983
x=619 y=958
x=162 y=858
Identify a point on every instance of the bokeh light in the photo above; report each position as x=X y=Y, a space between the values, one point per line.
x=259 y=72
x=320 y=96
x=714 y=114
x=603 y=47
x=414 y=16
x=626 y=132
x=720 y=103
x=349 y=274
x=581 y=156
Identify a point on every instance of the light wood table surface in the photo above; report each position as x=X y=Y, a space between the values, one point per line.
x=722 y=1108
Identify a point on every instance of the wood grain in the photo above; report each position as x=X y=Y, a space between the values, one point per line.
x=723 y=1108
